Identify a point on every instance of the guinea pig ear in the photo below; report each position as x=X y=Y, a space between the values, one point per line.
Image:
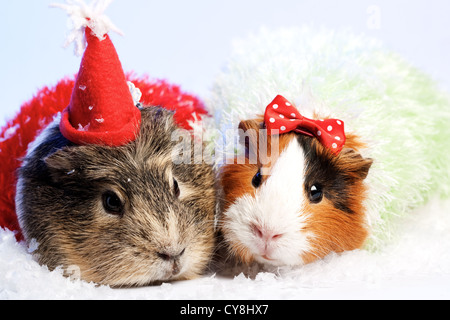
x=62 y=163
x=248 y=135
x=354 y=163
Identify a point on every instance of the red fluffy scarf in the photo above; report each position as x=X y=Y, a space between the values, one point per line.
x=36 y=114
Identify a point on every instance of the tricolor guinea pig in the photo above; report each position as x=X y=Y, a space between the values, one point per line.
x=298 y=201
x=353 y=140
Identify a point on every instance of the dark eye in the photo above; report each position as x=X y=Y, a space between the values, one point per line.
x=176 y=188
x=112 y=203
x=315 y=194
x=257 y=180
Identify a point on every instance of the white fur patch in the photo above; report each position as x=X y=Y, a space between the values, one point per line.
x=276 y=208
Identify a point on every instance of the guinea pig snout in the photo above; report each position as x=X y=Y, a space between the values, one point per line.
x=265 y=234
x=169 y=256
x=266 y=238
x=171 y=260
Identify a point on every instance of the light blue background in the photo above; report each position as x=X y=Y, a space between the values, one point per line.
x=187 y=42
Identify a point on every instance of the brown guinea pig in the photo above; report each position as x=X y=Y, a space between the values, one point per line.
x=296 y=204
x=122 y=216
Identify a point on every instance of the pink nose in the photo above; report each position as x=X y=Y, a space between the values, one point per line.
x=265 y=234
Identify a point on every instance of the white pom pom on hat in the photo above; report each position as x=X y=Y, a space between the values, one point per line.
x=102 y=110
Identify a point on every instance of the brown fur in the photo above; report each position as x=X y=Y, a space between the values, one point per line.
x=157 y=237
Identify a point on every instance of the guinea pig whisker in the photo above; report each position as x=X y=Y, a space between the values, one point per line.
x=115 y=265
x=125 y=270
x=331 y=239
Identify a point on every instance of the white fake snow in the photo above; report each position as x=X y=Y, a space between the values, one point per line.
x=9 y=133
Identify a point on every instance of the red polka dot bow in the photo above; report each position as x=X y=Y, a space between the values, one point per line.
x=281 y=115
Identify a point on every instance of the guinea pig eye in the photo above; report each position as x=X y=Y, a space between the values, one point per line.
x=112 y=203
x=176 y=188
x=257 y=180
x=315 y=194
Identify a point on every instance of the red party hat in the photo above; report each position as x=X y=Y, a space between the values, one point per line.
x=101 y=109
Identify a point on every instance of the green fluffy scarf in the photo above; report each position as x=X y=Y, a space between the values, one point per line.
x=396 y=109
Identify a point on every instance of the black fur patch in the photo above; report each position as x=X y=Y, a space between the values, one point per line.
x=322 y=169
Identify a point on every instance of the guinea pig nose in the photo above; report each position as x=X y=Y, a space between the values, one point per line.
x=169 y=257
x=264 y=233
x=257 y=230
